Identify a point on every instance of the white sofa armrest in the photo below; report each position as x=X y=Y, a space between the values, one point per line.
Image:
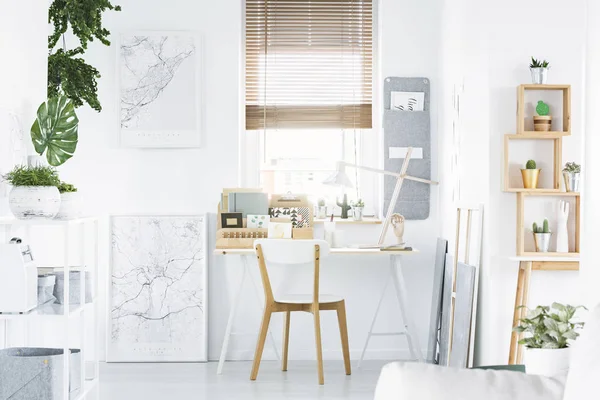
x=412 y=381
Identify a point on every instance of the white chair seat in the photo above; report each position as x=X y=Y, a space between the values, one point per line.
x=308 y=298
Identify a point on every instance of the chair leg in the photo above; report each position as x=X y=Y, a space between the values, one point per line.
x=260 y=344
x=318 y=343
x=341 y=314
x=286 y=340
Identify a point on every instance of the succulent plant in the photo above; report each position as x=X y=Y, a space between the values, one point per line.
x=542 y=108
x=572 y=167
x=321 y=202
x=357 y=203
x=344 y=206
x=531 y=164
x=539 y=64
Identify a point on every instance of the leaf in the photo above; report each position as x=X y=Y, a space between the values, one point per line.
x=550 y=345
x=551 y=324
x=571 y=335
x=55 y=130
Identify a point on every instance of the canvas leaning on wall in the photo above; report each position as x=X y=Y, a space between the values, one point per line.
x=158 y=289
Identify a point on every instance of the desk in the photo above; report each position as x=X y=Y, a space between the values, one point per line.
x=395 y=276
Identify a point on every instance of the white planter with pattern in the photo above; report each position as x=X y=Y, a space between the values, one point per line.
x=70 y=206
x=34 y=202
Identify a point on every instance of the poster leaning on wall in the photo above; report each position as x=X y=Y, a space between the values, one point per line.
x=158 y=289
x=159 y=89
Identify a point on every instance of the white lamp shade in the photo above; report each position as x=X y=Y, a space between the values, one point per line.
x=339 y=177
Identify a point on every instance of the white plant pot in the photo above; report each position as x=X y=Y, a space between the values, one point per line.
x=547 y=362
x=70 y=206
x=34 y=202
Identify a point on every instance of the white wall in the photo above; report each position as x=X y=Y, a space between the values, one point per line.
x=495 y=43
x=121 y=181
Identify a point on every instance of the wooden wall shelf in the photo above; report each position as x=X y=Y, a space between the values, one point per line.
x=566 y=107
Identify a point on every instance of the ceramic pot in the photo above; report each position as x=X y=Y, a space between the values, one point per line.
x=542 y=123
x=530 y=178
x=542 y=242
x=357 y=213
x=34 y=202
x=70 y=206
x=539 y=76
x=571 y=181
x=322 y=212
x=547 y=362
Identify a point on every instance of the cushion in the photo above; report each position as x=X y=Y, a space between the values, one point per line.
x=410 y=381
x=584 y=369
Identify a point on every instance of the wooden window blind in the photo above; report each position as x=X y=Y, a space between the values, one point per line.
x=309 y=64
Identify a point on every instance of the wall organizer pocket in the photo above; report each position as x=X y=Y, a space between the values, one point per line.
x=403 y=129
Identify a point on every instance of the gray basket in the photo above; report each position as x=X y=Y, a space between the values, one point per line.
x=46 y=288
x=28 y=373
x=74 y=287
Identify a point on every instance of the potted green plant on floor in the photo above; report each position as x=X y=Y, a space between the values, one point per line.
x=571 y=173
x=70 y=202
x=541 y=236
x=357 y=209
x=549 y=331
x=539 y=71
x=35 y=193
x=530 y=174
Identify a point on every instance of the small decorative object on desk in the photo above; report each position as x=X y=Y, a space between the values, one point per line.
x=322 y=209
x=539 y=71
x=549 y=329
x=232 y=220
x=562 y=233
x=397 y=222
x=344 y=206
x=531 y=175
x=357 y=209
x=70 y=202
x=34 y=194
x=541 y=236
x=571 y=173
x=257 y=221
x=299 y=216
x=542 y=122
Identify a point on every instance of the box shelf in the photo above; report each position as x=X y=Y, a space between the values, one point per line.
x=565 y=104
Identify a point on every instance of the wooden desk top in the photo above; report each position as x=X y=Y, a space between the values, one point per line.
x=334 y=251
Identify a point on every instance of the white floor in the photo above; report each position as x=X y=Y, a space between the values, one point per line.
x=200 y=381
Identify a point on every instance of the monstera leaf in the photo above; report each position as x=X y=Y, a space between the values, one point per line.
x=55 y=130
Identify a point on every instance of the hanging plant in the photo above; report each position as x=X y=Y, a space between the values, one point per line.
x=68 y=73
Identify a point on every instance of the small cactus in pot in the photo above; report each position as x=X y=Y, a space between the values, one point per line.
x=321 y=209
x=541 y=236
x=357 y=209
x=530 y=174
x=344 y=206
x=543 y=121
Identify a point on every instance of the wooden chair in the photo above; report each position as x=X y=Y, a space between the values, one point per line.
x=296 y=252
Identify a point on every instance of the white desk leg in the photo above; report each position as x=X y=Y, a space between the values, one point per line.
x=400 y=288
x=232 y=311
x=364 y=350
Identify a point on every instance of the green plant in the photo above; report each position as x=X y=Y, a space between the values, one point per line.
x=32 y=176
x=572 y=167
x=357 y=203
x=539 y=64
x=68 y=73
x=542 y=108
x=530 y=164
x=344 y=206
x=55 y=130
x=321 y=202
x=64 y=187
x=545 y=228
x=549 y=327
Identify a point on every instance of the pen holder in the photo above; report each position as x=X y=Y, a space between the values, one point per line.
x=329 y=232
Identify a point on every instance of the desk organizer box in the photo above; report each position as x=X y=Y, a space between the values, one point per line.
x=407 y=129
x=30 y=373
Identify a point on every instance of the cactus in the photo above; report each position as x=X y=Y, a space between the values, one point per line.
x=542 y=108
x=321 y=202
x=534 y=228
x=344 y=206
x=531 y=164
x=546 y=228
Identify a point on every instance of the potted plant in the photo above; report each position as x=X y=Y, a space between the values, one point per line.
x=542 y=122
x=571 y=173
x=539 y=71
x=548 y=330
x=541 y=236
x=357 y=209
x=321 y=209
x=34 y=193
x=70 y=202
x=530 y=174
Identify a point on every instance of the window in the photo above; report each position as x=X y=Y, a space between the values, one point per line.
x=309 y=89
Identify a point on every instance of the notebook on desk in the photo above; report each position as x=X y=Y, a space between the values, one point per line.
x=248 y=203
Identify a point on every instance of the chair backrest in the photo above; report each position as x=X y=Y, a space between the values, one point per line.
x=584 y=368
x=289 y=252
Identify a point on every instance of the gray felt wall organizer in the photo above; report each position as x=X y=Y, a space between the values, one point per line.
x=408 y=129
